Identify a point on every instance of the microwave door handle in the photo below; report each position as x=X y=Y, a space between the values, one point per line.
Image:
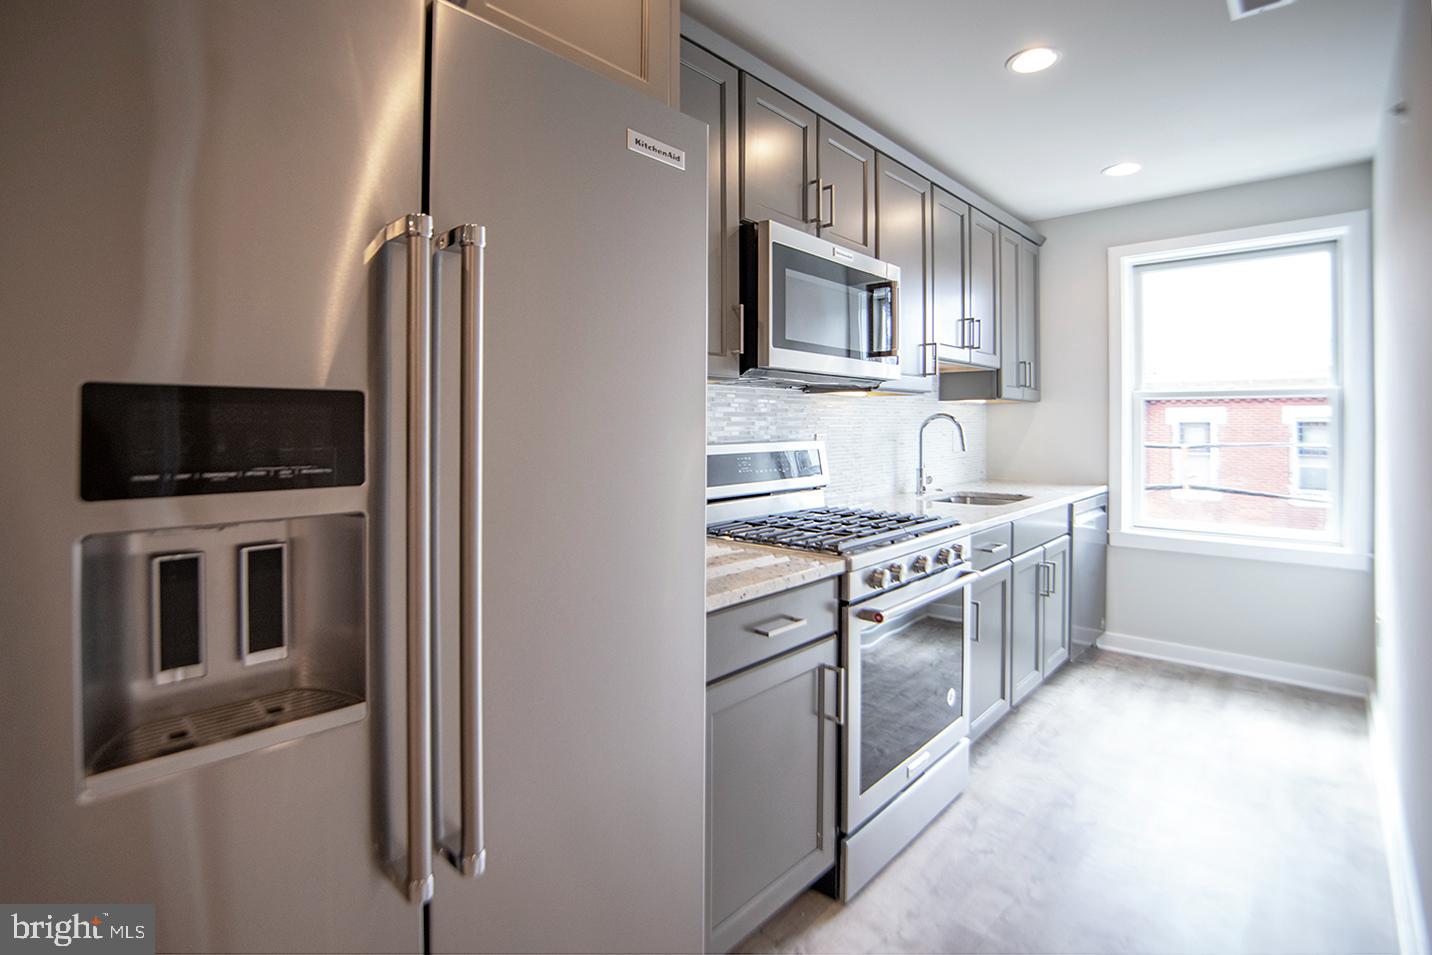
x=892 y=295
x=469 y=856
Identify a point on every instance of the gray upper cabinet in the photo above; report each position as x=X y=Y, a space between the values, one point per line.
x=778 y=157
x=1025 y=659
x=710 y=91
x=630 y=41
x=949 y=286
x=904 y=206
x=1054 y=607
x=1028 y=316
x=990 y=648
x=1018 y=316
x=771 y=777
x=984 y=325
x=846 y=183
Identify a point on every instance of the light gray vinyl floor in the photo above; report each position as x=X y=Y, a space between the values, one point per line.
x=1137 y=806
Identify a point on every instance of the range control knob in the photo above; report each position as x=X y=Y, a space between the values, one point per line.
x=921 y=565
x=876 y=578
x=945 y=556
x=897 y=573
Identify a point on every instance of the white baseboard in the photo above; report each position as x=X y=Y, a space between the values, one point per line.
x=1296 y=674
x=1406 y=890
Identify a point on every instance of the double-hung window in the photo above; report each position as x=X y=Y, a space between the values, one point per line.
x=1243 y=392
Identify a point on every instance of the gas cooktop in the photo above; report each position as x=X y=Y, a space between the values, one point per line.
x=834 y=530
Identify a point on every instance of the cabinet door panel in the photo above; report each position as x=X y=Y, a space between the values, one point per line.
x=949 y=258
x=1054 y=607
x=1028 y=314
x=903 y=205
x=1012 y=369
x=846 y=206
x=631 y=41
x=981 y=305
x=989 y=649
x=1024 y=625
x=771 y=763
x=778 y=145
x=710 y=91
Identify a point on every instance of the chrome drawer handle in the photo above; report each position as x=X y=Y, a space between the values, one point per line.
x=774 y=628
x=917 y=764
x=992 y=548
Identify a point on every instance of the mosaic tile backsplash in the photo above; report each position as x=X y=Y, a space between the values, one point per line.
x=870 y=439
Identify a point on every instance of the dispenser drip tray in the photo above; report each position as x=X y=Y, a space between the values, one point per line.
x=190 y=734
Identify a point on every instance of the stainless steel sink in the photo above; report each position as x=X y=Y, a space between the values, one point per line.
x=982 y=498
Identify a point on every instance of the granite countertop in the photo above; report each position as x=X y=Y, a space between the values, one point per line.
x=977 y=517
x=737 y=572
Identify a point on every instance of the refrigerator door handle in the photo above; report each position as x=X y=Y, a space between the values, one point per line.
x=416 y=231
x=470 y=855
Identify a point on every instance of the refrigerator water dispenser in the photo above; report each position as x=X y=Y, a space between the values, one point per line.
x=200 y=643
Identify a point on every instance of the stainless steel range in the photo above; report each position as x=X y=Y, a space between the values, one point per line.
x=905 y=598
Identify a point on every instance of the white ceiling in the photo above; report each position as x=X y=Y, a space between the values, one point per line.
x=1200 y=100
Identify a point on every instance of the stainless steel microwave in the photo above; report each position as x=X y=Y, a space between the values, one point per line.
x=814 y=313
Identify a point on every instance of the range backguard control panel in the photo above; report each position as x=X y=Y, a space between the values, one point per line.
x=141 y=441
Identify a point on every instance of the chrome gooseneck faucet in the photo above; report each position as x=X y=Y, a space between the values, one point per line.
x=920 y=479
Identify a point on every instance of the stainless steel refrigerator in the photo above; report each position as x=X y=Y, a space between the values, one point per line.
x=352 y=405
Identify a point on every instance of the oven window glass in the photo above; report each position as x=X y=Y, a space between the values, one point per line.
x=819 y=305
x=911 y=684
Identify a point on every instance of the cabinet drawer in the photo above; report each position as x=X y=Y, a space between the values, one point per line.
x=1040 y=528
x=991 y=546
x=791 y=618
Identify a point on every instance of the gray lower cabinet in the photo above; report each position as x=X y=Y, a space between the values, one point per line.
x=710 y=91
x=771 y=775
x=990 y=648
x=846 y=182
x=1025 y=673
x=1054 y=607
x=904 y=203
x=778 y=157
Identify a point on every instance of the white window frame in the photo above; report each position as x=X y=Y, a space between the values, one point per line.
x=1352 y=480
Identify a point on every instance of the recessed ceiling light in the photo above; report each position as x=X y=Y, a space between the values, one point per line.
x=1032 y=60
x=1122 y=169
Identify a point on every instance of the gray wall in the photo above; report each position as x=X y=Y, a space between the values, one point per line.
x=1307 y=615
x=1402 y=329
x=870 y=439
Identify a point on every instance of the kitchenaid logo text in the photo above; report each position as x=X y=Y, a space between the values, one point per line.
x=108 y=928
x=655 y=149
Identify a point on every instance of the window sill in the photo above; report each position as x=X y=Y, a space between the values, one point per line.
x=1243 y=548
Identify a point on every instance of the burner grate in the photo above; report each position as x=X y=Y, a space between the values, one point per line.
x=834 y=530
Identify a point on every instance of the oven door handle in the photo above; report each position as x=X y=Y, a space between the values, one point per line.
x=914 y=603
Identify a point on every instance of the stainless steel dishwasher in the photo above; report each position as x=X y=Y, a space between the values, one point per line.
x=1089 y=573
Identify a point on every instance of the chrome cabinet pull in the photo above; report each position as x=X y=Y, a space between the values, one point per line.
x=840 y=694
x=823 y=187
x=994 y=548
x=417 y=232
x=470 y=855
x=774 y=628
x=740 y=311
x=975 y=630
x=979 y=335
x=813 y=218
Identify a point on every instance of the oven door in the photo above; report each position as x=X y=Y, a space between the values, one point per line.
x=907 y=652
x=820 y=309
